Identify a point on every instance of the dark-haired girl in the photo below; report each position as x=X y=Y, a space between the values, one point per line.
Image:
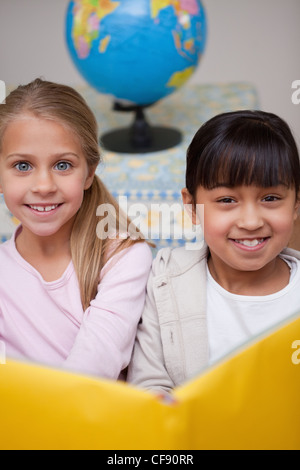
x=202 y=304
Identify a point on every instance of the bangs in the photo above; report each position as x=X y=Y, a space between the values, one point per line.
x=248 y=157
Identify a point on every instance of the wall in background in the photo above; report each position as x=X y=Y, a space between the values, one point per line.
x=249 y=40
x=257 y=41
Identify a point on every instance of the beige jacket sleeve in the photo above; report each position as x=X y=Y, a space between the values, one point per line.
x=172 y=341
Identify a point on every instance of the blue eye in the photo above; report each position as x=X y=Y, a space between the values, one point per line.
x=23 y=167
x=63 y=166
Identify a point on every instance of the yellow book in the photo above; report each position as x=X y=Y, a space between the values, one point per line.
x=249 y=400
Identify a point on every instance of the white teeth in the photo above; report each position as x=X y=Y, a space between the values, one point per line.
x=44 y=209
x=250 y=242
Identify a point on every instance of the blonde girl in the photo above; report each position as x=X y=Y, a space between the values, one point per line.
x=69 y=296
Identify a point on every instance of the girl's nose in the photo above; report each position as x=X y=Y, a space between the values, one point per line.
x=44 y=183
x=250 y=218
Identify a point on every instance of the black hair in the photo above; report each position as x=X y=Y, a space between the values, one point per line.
x=243 y=148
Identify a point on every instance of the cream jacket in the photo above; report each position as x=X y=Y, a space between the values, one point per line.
x=172 y=340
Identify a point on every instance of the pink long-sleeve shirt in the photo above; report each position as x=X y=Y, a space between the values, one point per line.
x=44 y=322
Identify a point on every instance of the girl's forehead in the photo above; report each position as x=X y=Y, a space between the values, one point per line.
x=27 y=119
x=30 y=117
x=24 y=116
x=29 y=133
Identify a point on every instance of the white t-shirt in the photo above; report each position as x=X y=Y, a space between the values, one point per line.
x=234 y=319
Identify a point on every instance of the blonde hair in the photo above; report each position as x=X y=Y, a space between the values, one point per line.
x=65 y=105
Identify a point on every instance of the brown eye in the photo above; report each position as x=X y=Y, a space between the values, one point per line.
x=271 y=198
x=226 y=200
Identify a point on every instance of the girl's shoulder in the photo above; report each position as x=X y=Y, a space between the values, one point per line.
x=6 y=248
x=9 y=261
x=137 y=256
x=177 y=261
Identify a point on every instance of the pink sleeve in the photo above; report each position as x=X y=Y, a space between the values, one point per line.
x=104 y=344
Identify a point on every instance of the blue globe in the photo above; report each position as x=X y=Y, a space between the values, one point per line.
x=139 y=51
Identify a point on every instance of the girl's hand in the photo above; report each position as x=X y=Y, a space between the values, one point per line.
x=166 y=398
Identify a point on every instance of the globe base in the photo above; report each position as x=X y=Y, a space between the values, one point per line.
x=161 y=139
x=141 y=137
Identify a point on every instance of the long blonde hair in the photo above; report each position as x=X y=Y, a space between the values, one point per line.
x=65 y=105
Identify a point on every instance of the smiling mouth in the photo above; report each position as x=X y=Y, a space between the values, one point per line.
x=251 y=243
x=44 y=208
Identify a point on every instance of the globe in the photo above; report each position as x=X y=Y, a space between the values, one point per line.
x=138 y=51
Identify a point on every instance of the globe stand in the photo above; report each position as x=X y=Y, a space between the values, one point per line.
x=140 y=137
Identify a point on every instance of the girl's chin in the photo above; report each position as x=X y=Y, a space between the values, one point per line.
x=45 y=231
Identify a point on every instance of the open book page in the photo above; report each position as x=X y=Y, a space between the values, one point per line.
x=249 y=400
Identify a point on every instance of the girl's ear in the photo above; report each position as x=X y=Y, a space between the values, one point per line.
x=90 y=177
x=189 y=205
x=297 y=207
x=297 y=212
